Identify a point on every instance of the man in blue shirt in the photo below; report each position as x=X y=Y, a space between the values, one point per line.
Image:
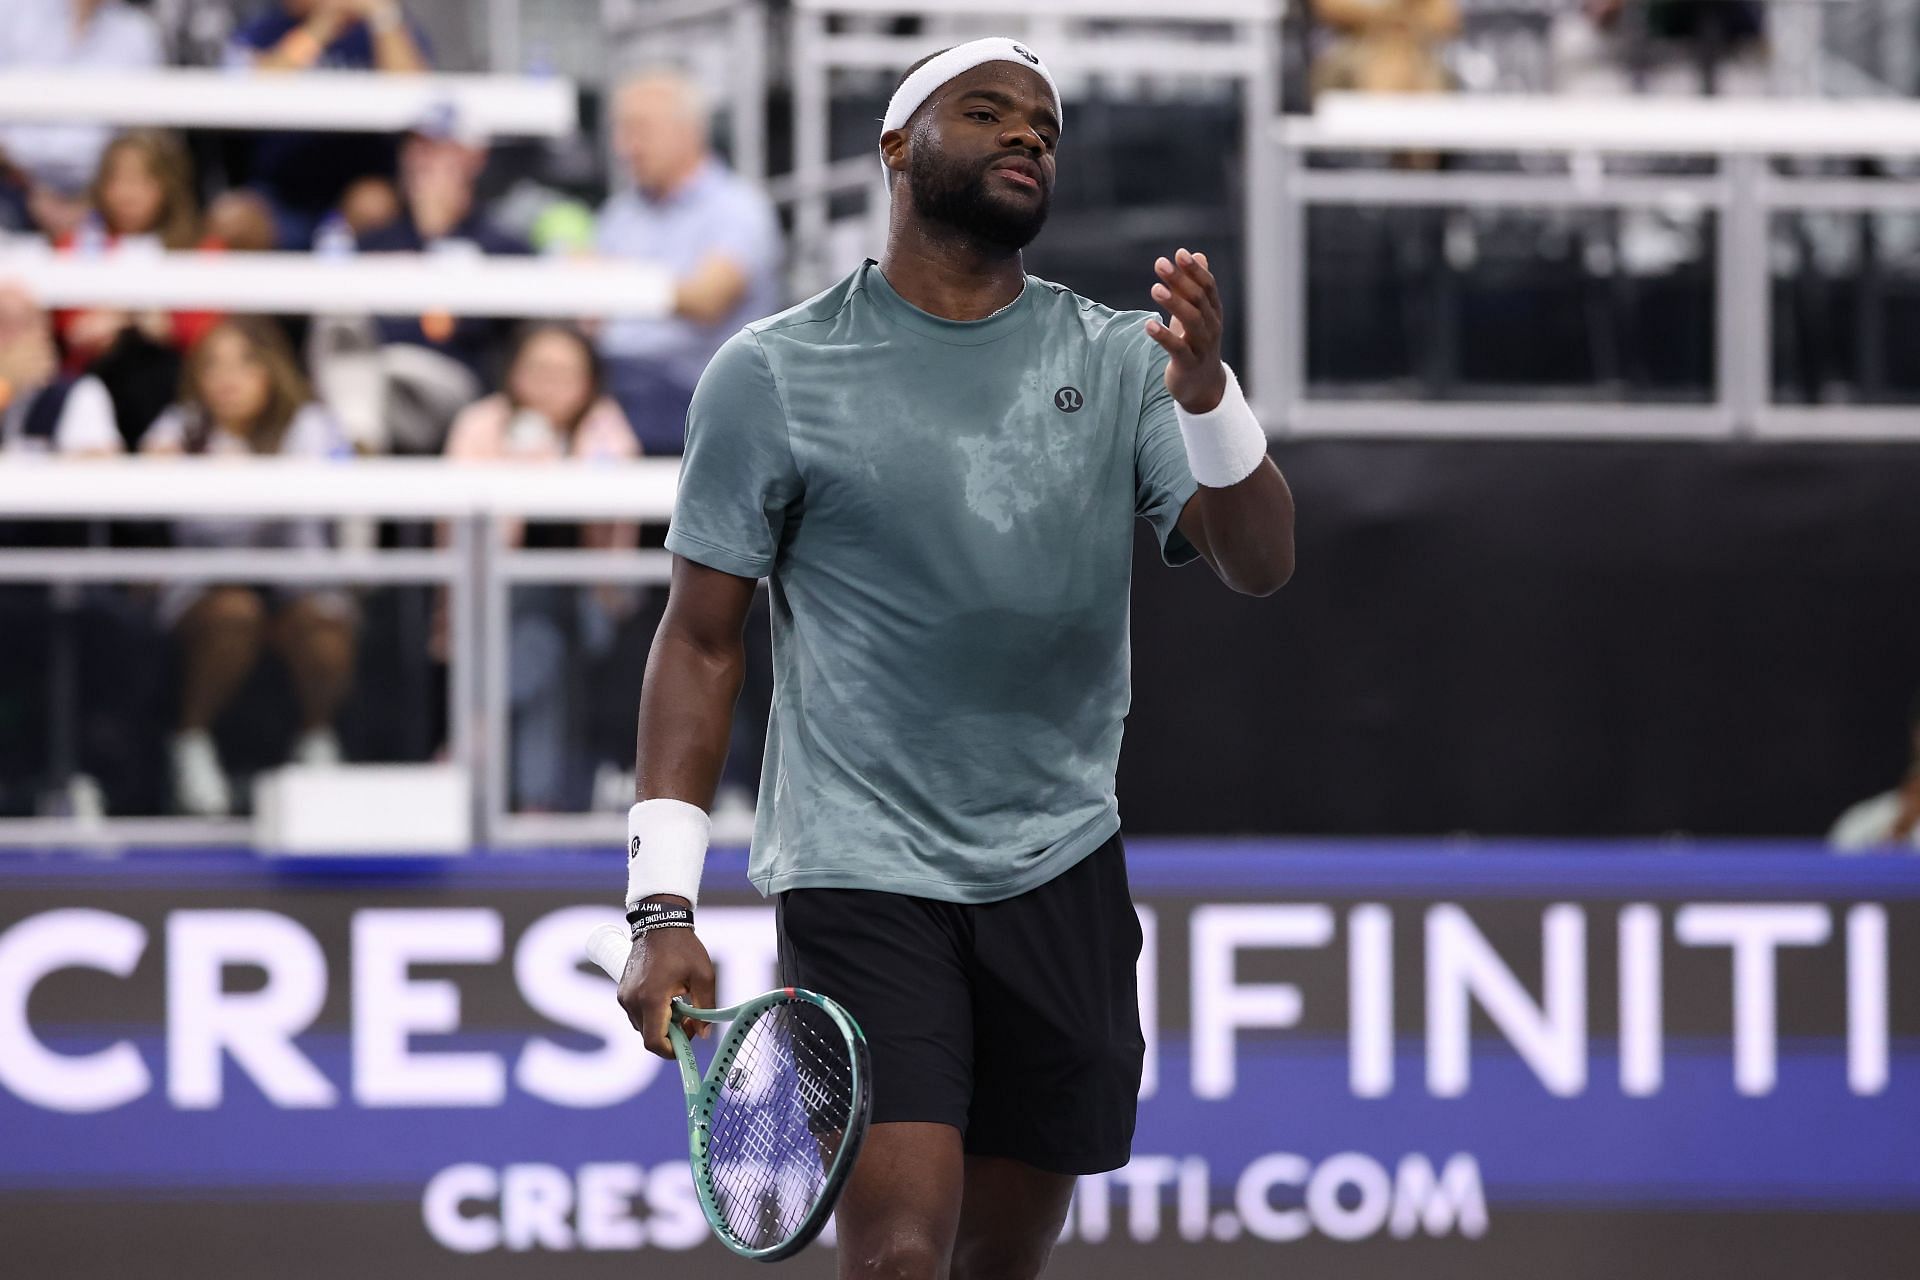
x=713 y=229
x=302 y=175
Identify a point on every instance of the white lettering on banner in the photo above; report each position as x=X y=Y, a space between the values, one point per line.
x=602 y=1064
x=470 y=1208
x=389 y=1006
x=1253 y=1200
x=535 y=1203
x=1867 y=1000
x=205 y=1021
x=1372 y=1201
x=1221 y=1005
x=605 y=1218
x=559 y=983
x=1462 y=966
x=1754 y=932
x=1282 y=1197
x=1277 y=1197
x=447 y=1221
x=75 y=938
x=1454 y=1200
x=1641 y=1060
x=1370 y=1001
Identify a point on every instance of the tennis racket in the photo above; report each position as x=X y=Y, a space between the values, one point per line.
x=775 y=1123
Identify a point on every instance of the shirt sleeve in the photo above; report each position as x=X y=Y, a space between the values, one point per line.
x=1162 y=480
x=738 y=481
x=747 y=231
x=86 y=421
x=315 y=433
x=168 y=431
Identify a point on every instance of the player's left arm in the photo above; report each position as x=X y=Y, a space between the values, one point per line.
x=1241 y=517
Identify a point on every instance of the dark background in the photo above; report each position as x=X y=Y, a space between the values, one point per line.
x=1524 y=638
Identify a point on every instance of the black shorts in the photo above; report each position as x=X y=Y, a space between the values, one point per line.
x=1017 y=1022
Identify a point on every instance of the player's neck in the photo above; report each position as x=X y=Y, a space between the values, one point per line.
x=953 y=278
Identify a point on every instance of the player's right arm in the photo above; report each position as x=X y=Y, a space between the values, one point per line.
x=693 y=678
x=738 y=484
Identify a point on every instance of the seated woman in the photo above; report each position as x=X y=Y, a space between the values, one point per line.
x=141 y=197
x=243 y=394
x=553 y=406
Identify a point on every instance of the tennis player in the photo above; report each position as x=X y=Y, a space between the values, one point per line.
x=936 y=463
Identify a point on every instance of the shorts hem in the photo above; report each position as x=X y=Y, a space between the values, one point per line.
x=1075 y=848
x=1072 y=1164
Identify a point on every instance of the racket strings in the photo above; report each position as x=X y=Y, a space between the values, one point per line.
x=784 y=1102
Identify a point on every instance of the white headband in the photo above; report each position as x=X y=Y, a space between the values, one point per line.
x=919 y=86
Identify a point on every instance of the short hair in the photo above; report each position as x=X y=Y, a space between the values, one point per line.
x=904 y=76
x=685 y=91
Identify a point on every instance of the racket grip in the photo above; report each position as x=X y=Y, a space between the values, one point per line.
x=608 y=947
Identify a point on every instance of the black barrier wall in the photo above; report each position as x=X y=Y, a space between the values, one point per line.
x=1527 y=638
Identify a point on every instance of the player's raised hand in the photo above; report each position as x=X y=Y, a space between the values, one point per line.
x=1191 y=332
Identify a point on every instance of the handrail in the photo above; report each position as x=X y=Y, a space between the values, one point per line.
x=1648 y=126
x=464 y=284
x=316 y=101
x=415 y=488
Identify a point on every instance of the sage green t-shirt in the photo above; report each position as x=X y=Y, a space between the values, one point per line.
x=944 y=511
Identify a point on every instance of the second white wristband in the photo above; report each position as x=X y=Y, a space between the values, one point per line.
x=1225 y=443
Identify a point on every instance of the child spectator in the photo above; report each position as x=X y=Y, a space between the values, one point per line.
x=142 y=197
x=243 y=394
x=553 y=407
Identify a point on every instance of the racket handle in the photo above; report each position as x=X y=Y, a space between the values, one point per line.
x=608 y=947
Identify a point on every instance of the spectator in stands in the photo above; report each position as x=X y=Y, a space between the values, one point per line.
x=1667 y=48
x=243 y=394
x=142 y=199
x=1385 y=46
x=45 y=168
x=1890 y=819
x=298 y=178
x=553 y=406
x=398 y=381
x=41 y=409
x=714 y=230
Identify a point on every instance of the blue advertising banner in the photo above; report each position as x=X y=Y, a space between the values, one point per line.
x=1363 y=1059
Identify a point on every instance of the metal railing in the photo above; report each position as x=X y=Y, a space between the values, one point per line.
x=477 y=568
x=1745 y=189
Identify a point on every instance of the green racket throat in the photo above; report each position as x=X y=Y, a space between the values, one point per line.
x=775 y=1123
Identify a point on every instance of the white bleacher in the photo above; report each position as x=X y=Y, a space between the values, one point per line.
x=314 y=101
x=379 y=284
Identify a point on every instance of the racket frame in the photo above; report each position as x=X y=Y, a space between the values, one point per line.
x=701 y=1093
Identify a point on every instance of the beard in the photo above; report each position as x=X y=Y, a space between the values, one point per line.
x=955 y=192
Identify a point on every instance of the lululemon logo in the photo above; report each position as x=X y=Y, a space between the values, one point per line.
x=1022 y=51
x=633 y=847
x=1068 y=399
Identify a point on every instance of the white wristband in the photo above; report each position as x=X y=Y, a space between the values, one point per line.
x=1225 y=443
x=666 y=849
